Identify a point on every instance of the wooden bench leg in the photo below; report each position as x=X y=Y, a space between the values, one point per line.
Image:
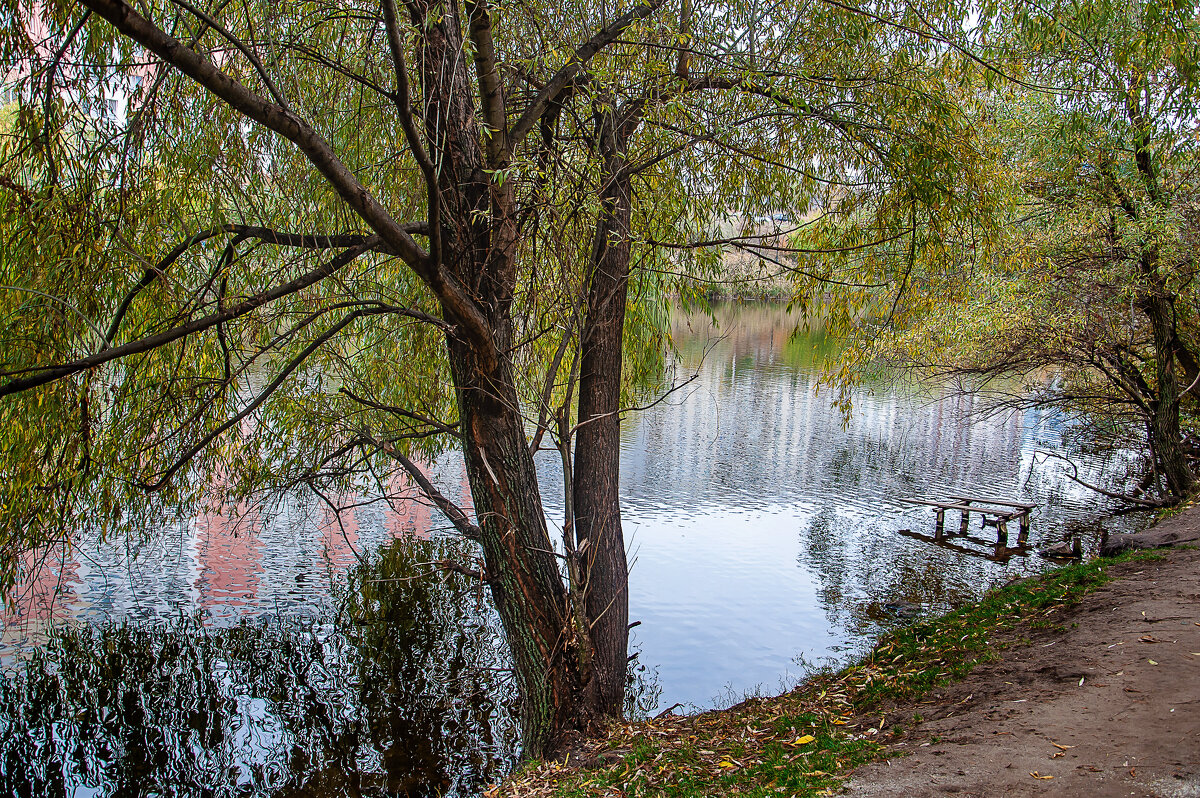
x=1023 y=535
x=1002 y=532
x=939 y=525
x=963 y=525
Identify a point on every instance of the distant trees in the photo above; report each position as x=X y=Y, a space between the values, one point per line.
x=1089 y=275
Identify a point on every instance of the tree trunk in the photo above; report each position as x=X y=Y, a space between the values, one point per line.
x=1164 y=421
x=521 y=570
x=478 y=250
x=598 y=440
x=1157 y=302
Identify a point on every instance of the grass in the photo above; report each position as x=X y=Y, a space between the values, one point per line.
x=805 y=742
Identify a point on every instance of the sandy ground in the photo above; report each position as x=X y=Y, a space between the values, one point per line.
x=1107 y=705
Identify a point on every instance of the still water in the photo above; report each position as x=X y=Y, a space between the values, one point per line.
x=279 y=649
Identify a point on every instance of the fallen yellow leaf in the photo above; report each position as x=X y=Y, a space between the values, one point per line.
x=1037 y=775
x=1152 y=662
x=726 y=764
x=1062 y=747
x=805 y=740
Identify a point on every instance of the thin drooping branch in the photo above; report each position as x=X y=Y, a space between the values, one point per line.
x=265 y=394
x=241 y=233
x=49 y=374
x=637 y=408
x=448 y=508
x=242 y=48
x=439 y=426
x=248 y=363
x=48 y=95
x=755 y=242
x=544 y=410
x=59 y=301
x=337 y=516
x=408 y=124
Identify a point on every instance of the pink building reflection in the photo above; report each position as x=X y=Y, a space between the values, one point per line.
x=229 y=555
x=227 y=563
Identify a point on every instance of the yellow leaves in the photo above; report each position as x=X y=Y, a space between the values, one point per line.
x=1037 y=775
x=1062 y=750
x=804 y=740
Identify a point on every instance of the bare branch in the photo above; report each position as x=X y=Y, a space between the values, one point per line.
x=453 y=567
x=1074 y=476
x=548 y=388
x=637 y=408
x=452 y=511
x=440 y=426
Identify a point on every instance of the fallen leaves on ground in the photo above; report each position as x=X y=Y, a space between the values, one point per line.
x=803 y=742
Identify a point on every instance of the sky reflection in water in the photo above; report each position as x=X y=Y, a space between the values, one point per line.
x=766 y=530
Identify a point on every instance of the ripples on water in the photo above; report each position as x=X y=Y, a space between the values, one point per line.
x=766 y=526
x=404 y=693
x=764 y=533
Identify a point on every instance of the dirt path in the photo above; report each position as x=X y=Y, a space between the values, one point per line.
x=1107 y=705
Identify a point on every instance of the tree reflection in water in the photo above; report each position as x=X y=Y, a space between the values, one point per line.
x=404 y=693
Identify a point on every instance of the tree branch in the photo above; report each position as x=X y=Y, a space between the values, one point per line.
x=1074 y=477
x=52 y=373
x=453 y=296
x=391 y=24
x=258 y=400
x=491 y=92
x=439 y=426
x=572 y=69
x=241 y=232
x=241 y=47
x=449 y=509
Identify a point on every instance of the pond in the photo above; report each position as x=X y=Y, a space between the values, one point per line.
x=253 y=653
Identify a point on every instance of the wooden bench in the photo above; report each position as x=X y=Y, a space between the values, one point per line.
x=1020 y=511
x=999 y=513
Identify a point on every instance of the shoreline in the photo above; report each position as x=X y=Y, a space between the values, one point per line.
x=927 y=711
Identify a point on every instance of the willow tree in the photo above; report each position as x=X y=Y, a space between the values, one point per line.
x=1091 y=117
x=308 y=246
x=1112 y=167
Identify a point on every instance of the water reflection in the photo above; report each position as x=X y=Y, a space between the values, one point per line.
x=767 y=531
x=765 y=534
x=404 y=693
